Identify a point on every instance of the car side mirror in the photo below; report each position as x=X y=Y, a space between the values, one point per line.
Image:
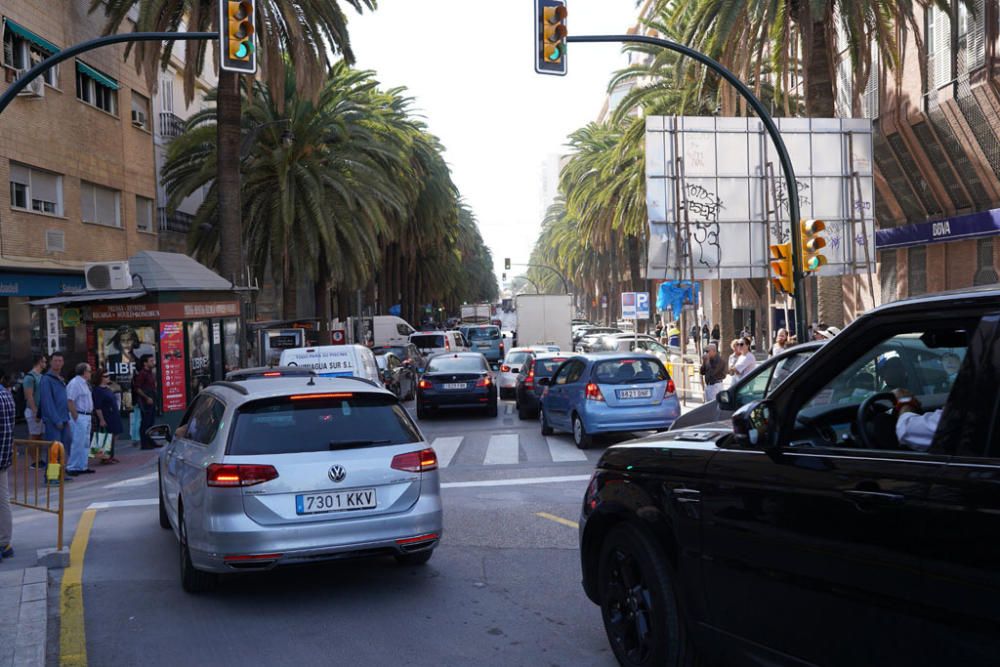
x=724 y=399
x=159 y=432
x=544 y=382
x=753 y=426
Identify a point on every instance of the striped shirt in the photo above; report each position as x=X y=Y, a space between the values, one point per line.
x=6 y=428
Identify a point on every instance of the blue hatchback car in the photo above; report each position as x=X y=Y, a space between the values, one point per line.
x=608 y=393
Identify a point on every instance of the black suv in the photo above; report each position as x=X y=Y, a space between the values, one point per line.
x=807 y=532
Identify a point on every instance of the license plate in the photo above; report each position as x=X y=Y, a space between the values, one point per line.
x=335 y=501
x=635 y=393
x=455 y=385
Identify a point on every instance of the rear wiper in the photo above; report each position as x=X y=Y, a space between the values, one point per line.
x=348 y=444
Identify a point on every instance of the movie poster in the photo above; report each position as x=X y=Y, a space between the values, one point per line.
x=118 y=352
x=199 y=357
x=173 y=387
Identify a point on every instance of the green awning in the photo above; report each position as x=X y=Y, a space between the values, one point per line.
x=102 y=79
x=44 y=45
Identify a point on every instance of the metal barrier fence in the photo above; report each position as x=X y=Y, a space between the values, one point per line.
x=687 y=379
x=33 y=490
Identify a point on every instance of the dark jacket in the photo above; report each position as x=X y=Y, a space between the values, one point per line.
x=713 y=370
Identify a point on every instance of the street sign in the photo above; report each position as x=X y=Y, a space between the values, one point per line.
x=52 y=322
x=338 y=337
x=628 y=305
x=642 y=305
x=604 y=301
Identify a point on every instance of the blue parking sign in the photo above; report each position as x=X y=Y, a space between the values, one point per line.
x=642 y=305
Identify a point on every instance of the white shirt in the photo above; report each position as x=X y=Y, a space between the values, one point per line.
x=917 y=431
x=78 y=391
x=744 y=364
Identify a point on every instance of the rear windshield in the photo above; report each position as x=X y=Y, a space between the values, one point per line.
x=456 y=365
x=291 y=426
x=484 y=333
x=517 y=357
x=427 y=341
x=628 y=371
x=546 y=367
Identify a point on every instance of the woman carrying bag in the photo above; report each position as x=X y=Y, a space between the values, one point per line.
x=109 y=419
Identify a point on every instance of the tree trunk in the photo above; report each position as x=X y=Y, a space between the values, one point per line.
x=820 y=93
x=322 y=289
x=289 y=301
x=228 y=175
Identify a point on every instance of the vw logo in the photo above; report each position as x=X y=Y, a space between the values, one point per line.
x=337 y=473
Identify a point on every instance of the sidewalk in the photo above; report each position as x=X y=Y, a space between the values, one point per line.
x=24 y=600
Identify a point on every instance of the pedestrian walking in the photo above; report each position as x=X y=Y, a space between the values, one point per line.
x=780 y=342
x=6 y=460
x=144 y=393
x=52 y=404
x=106 y=410
x=80 y=402
x=29 y=386
x=706 y=336
x=716 y=336
x=713 y=371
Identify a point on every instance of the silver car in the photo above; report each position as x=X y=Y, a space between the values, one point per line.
x=274 y=471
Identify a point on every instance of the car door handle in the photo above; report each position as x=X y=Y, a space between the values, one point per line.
x=875 y=497
x=684 y=495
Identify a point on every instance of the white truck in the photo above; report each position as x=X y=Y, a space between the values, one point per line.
x=479 y=313
x=545 y=319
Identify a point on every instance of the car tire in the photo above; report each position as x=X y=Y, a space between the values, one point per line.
x=546 y=429
x=417 y=558
x=164 y=519
x=629 y=555
x=421 y=411
x=582 y=439
x=193 y=580
x=492 y=410
x=523 y=413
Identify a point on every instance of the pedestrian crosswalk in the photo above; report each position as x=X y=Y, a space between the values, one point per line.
x=507 y=449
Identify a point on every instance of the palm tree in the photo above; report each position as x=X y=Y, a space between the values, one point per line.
x=309 y=32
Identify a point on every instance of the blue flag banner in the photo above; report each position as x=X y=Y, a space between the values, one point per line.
x=673 y=294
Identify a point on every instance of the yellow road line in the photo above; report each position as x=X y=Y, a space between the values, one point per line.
x=558 y=519
x=72 y=636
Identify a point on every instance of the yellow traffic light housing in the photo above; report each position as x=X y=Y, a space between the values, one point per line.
x=550 y=36
x=236 y=33
x=781 y=267
x=812 y=244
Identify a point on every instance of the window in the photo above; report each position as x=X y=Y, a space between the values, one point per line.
x=143 y=214
x=99 y=205
x=629 y=371
x=971 y=48
x=986 y=273
x=484 y=333
x=140 y=111
x=449 y=364
x=403 y=329
x=167 y=95
x=203 y=420
x=887 y=275
x=428 y=341
x=23 y=49
x=938 y=48
x=35 y=190
x=916 y=270
x=96 y=89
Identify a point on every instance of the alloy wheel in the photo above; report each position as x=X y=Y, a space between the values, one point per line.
x=629 y=607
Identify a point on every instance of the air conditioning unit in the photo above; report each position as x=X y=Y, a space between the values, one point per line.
x=35 y=87
x=138 y=118
x=108 y=275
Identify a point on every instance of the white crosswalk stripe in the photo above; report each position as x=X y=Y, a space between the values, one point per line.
x=502 y=449
x=564 y=450
x=446 y=448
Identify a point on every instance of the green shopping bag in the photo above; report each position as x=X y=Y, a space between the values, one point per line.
x=100 y=443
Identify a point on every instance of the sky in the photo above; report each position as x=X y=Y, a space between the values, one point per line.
x=469 y=67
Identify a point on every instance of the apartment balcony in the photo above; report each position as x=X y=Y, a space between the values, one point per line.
x=170 y=125
x=177 y=222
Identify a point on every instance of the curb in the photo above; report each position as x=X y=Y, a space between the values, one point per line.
x=22 y=644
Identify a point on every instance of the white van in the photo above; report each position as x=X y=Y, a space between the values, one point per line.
x=334 y=361
x=436 y=342
x=389 y=330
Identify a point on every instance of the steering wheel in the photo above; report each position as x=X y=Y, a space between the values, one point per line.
x=866 y=412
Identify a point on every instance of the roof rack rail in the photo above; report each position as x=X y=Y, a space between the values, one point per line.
x=239 y=388
x=355 y=377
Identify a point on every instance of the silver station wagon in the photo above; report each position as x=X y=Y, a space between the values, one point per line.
x=274 y=471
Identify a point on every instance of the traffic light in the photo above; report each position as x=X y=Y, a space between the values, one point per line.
x=550 y=37
x=504 y=277
x=812 y=243
x=506 y=263
x=781 y=267
x=236 y=29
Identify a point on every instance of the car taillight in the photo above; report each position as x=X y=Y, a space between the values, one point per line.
x=227 y=474
x=501 y=348
x=421 y=461
x=484 y=382
x=447 y=345
x=505 y=369
x=425 y=384
x=671 y=388
x=529 y=382
x=593 y=393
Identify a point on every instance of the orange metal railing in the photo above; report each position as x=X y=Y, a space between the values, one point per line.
x=31 y=488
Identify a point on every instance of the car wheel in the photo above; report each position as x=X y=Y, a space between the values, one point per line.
x=492 y=410
x=421 y=411
x=164 y=519
x=582 y=439
x=638 y=603
x=193 y=580
x=418 y=558
x=522 y=412
x=546 y=429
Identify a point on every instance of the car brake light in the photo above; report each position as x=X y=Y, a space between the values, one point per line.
x=671 y=388
x=420 y=461
x=593 y=393
x=484 y=382
x=427 y=537
x=501 y=348
x=529 y=382
x=272 y=374
x=425 y=384
x=227 y=474
x=447 y=345
x=307 y=397
x=252 y=557
x=505 y=369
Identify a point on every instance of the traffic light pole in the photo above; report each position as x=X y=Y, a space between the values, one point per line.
x=65 y=54
x=801 y=320
x=553 y=270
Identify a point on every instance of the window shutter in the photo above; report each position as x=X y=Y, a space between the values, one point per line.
x=942 y=47
x=88 y=212
x=167 y=95
x=107 y=206
x=18 y=173
x=975 y=53
x=869 y=101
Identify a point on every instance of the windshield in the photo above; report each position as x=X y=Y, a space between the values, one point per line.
x=484 y=333
x=517 y=358
x=546 y=367
x=456 y=365
x=292 y=425
x=629 y=371
x=427 y=341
